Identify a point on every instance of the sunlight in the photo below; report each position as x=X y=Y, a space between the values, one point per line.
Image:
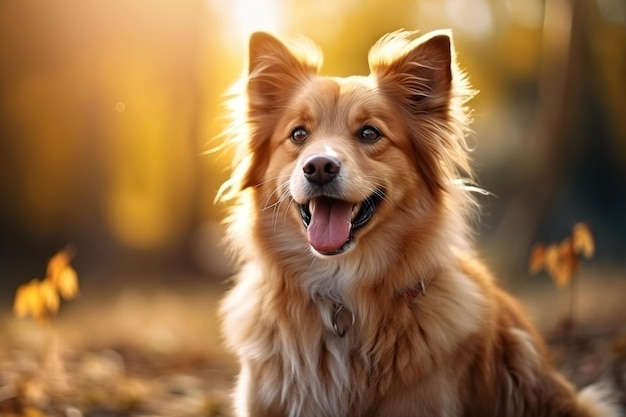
x=242 y=17
x=528 y=14
x=473 y=17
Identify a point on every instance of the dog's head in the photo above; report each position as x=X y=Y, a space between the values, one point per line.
x=339 y=157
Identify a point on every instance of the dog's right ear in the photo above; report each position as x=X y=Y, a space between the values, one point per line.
x=275 y=72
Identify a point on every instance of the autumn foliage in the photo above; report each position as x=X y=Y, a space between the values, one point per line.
x=41 y=298
x=561 y=260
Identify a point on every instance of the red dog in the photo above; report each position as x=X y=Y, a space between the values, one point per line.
x=359 y=293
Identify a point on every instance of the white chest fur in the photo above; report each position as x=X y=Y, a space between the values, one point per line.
x=302 y=355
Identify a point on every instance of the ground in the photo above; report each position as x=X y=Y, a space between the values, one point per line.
x=137 y=352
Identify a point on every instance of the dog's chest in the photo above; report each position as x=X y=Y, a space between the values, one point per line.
x=322 y=370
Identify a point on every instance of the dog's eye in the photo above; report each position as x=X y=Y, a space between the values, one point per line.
x=299 y=135
x=369 y=134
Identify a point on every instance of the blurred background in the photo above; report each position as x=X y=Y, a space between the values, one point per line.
x=108 y=108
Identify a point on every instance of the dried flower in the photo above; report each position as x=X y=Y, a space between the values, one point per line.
x=561 y=260
x=40 y=298
x=582 y=240
x=36 y=298
x=62 y=276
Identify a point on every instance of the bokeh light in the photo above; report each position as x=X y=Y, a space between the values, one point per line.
x=107 y=110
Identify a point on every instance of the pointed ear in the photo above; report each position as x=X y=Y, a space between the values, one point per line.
x=418 y=72
x=274 y=70
x=422 y=78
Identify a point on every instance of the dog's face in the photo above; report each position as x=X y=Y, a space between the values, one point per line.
x=346 y=160
x=339 y=158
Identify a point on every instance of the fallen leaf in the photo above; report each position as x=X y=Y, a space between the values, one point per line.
x=62 y=276
x=561 y=262
x=537 y=258
x=582 y=240
x=36 y=298
x=58 y=263
x=27 y=299
x=67 y=283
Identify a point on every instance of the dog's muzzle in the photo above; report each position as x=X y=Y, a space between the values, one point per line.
x=331 y=222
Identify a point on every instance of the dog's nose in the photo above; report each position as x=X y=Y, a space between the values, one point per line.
x=321 y=169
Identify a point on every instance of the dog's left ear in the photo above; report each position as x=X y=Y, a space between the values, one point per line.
x=423 y=78
x=418 y=72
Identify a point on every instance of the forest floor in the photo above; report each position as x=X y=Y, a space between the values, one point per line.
x=137 y=352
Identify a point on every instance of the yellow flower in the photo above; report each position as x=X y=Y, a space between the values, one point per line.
x=61 y=275
x=40 y=299
x=583 y=240
x=36 y=298
x=561 y=260
x=537 y=258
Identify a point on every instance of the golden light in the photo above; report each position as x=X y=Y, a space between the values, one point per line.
x=474 y=17
x=242 y=17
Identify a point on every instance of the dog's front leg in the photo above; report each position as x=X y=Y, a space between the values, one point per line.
x=248 y=401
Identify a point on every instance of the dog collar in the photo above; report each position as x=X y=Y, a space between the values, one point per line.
x=412 y=293
x=343 y=319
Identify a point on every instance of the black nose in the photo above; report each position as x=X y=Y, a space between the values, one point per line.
x=321 y=169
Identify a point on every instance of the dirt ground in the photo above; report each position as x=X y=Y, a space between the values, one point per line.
x=140 y=352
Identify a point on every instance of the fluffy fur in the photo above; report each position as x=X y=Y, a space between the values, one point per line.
x=402 y=319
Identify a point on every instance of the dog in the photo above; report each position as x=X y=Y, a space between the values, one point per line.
x=359 y=292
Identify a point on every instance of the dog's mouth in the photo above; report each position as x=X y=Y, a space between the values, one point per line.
x=331 y=222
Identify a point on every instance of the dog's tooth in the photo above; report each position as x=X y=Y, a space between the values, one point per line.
x=355 y=210
x=312 y=206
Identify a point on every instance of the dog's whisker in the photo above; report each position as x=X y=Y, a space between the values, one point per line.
x=276 y=207
x=314 y=260
x=376 y=189
x=282 y=191
x=283 y=188
x=278 y=189
x=470 y=186
x=291 y=201
x=284 y=196
x=276 y=178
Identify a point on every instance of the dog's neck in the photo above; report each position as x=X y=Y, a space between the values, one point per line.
x=342 y=318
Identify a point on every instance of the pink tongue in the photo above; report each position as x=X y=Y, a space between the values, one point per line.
x=330 y=224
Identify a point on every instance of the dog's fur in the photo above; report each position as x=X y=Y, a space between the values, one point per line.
x=401 y=319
